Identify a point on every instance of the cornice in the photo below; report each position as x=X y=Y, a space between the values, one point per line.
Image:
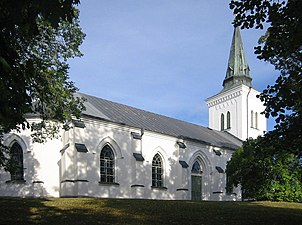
x=223 y=97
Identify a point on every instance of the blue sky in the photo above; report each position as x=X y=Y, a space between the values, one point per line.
x=163 y=56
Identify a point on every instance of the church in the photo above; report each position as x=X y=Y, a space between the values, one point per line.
x=117 y=151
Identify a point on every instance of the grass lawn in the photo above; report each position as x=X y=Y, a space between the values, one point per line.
x=113 y=211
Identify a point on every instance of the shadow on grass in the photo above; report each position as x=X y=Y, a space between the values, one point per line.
x=113 y=211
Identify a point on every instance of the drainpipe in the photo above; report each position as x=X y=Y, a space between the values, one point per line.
x=247 y=113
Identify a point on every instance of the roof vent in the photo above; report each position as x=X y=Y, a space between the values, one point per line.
x=217 y=152
x=136 y=135
x=181 y=144
x=183 y=164
x=138 y=157
x=78 y=123
x=219 y=169
x=81 y=147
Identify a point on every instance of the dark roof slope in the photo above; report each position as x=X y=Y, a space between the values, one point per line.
x=122 y=114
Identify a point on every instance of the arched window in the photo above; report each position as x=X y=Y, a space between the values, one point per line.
x=196 y=181
x=222 y=121
x=256 y=120
x=228 y=120
x=107 y=165
x=252 y=118
x=157 y=171
x=16 y=166
x=196 y=169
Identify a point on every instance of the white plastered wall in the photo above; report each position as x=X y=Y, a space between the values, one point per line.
x=239 y=101
x=51 y=172
x=133 y=178
x=41 y=170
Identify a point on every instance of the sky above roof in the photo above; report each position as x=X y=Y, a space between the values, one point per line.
x=163 y=56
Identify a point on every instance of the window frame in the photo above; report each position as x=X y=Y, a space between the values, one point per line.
x=256 y=120
x=252 y=119
x=107 y=165
x=17 y=161
x=222 y=122
x=157 y=171
x=228 y=120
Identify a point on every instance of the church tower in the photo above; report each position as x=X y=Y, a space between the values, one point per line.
x=236 y=109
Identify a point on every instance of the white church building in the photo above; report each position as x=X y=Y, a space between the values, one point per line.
x=117 y=151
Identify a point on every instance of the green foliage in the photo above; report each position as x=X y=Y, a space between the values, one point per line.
x=265 y=173
x=271 y=166
x=37 y=38
x=280 y=46
x=3 y=154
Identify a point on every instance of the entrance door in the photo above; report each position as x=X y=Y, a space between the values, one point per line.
x=196 y=191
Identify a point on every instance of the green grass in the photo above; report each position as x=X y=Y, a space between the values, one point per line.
x=113 y=211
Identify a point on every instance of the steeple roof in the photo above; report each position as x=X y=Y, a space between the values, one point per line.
x=238 y=71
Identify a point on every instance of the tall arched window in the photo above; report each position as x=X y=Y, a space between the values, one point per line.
x=157 y=171
x=196 y=181
x=256 y=120
x=252 y=118
x=228 y=120
x=222 y=121
x=16 y=168
x=107 y=165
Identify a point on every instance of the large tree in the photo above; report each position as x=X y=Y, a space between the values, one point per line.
x=270 y=167
x=282 y=47
x=37 y=38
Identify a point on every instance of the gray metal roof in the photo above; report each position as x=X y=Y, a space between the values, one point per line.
x=118 y=113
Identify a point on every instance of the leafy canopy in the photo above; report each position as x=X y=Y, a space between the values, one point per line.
x=37 y=38
x=265 y=173
x=282 y=47
x=270 y=166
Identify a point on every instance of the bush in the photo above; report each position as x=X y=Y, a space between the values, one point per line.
x=265 y=173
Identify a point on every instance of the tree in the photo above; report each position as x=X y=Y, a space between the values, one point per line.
x=270 y=167
x=265 y=173
x=282 y=47
x=37 y=38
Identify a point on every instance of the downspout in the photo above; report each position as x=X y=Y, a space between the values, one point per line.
x=247 y=113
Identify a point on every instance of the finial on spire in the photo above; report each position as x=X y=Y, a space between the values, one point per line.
x=238 y=71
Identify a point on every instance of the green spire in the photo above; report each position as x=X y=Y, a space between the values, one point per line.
x=238 y=71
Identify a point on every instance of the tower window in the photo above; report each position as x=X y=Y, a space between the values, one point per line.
x=228 y=120
x=256 y=120
x=252 y=119
x=222 y=121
